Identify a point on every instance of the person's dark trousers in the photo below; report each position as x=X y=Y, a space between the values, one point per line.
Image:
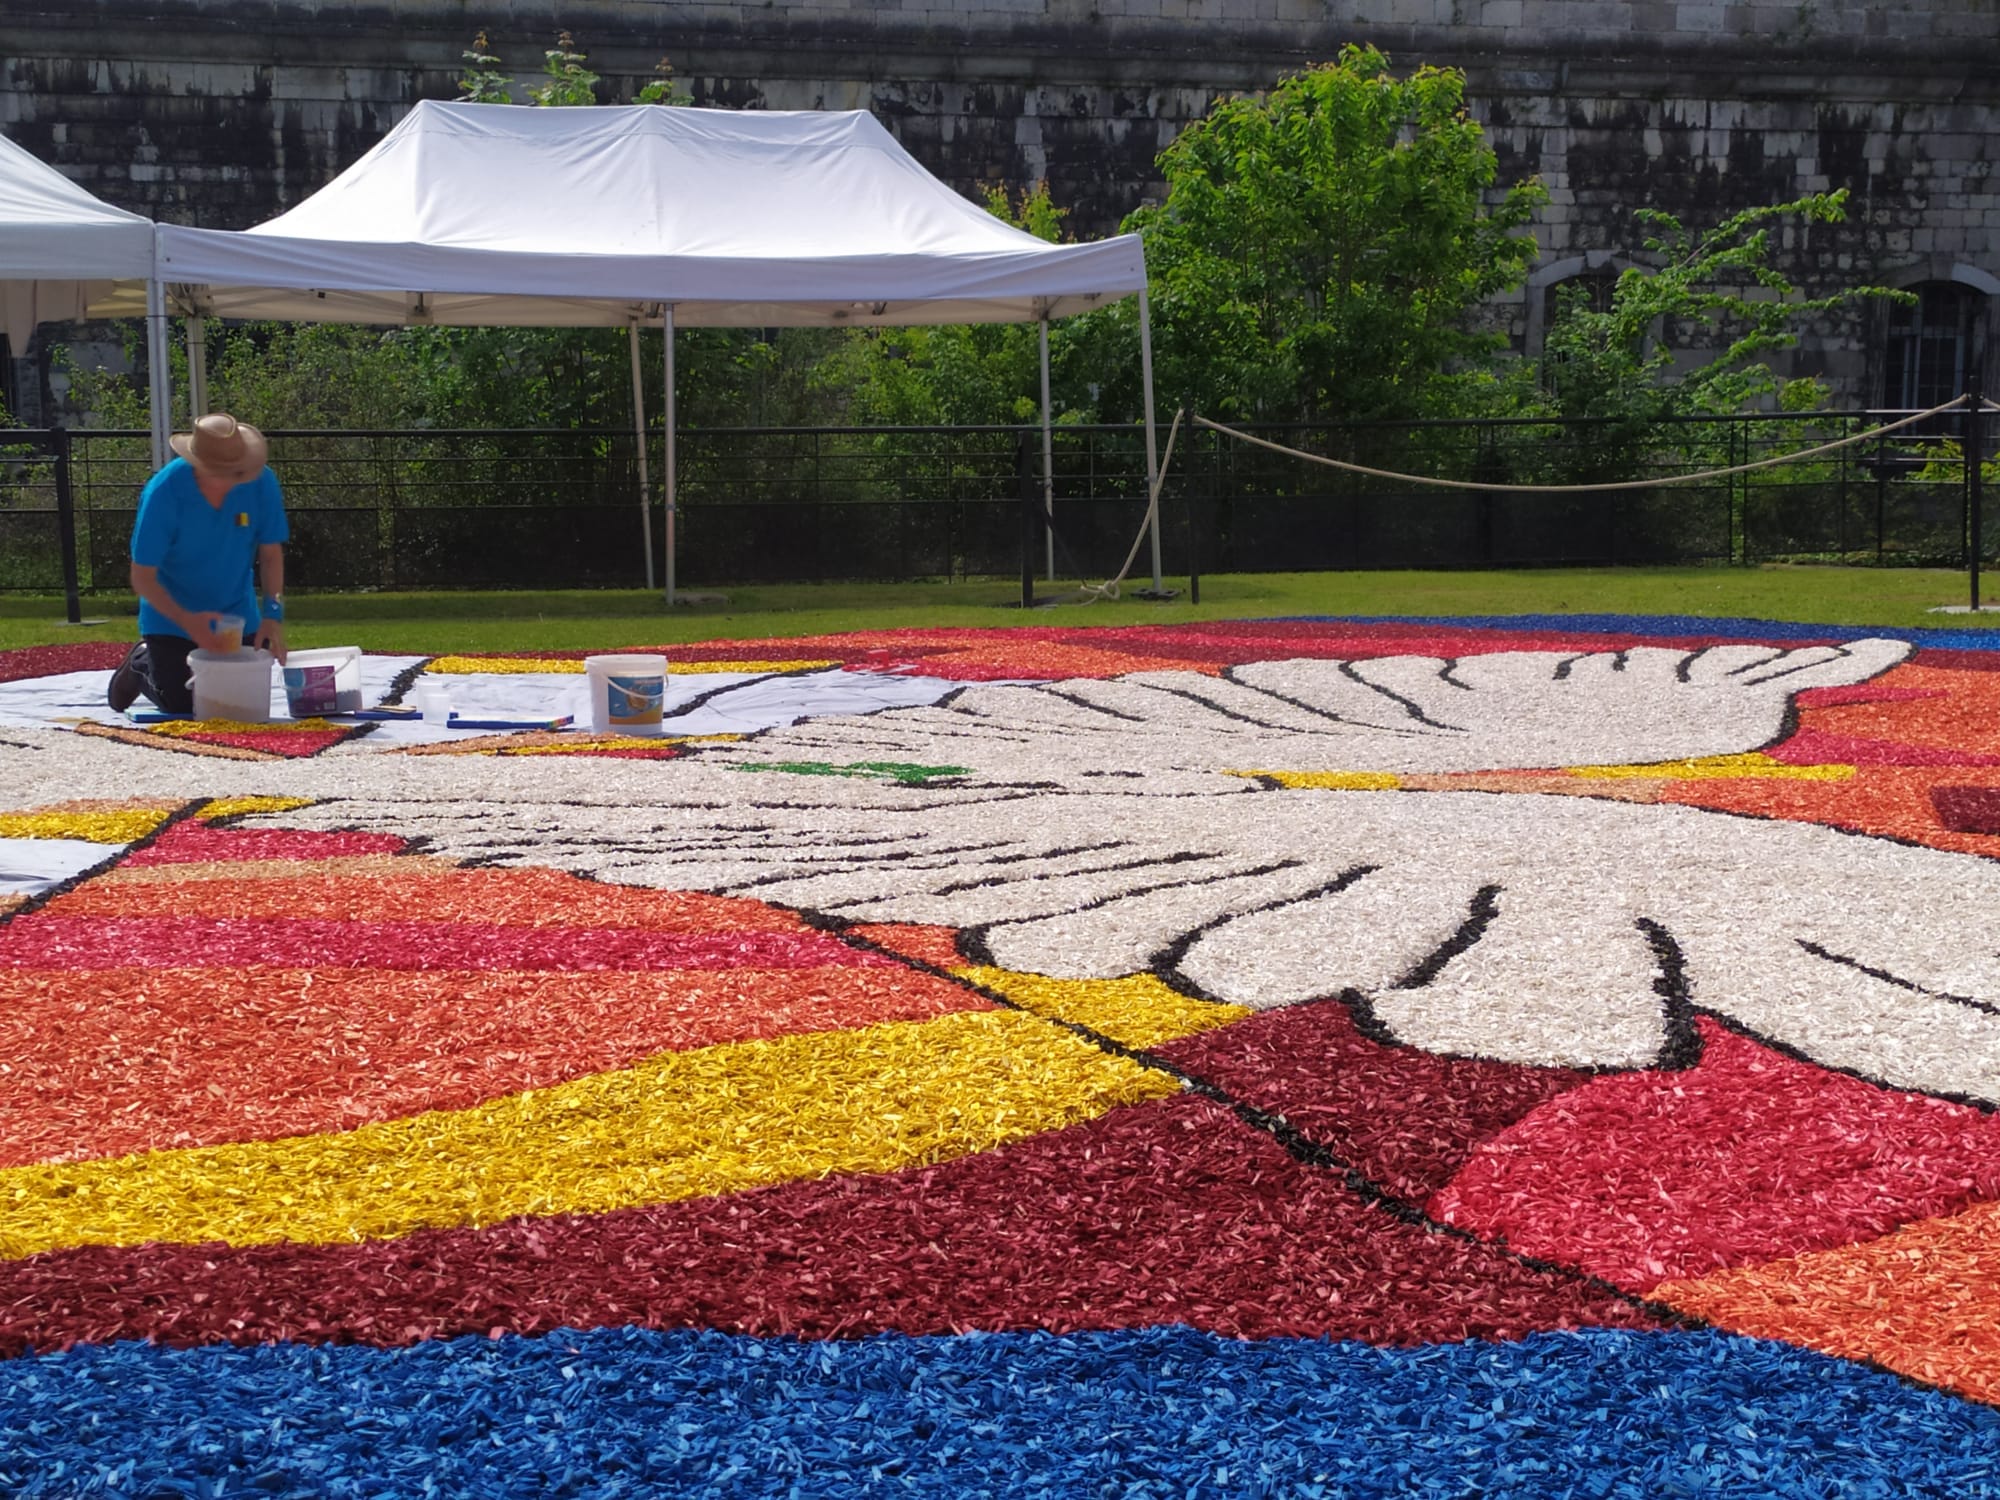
x=164 y=675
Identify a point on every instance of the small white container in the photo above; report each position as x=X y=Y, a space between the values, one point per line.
x=323 y=681
x=231 y=685
x=628 y=694
x=230 y=628
x=434 y=702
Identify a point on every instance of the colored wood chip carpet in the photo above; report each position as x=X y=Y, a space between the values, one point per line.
x=1025 y=1092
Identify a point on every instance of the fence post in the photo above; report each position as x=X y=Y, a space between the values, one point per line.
x=1484 y=466
x=66 y=528
x=1845 y=454
x=1739 y=531
x=1881 y=495
x=1729 y=498
x=1024 y=475
x=1975 y=488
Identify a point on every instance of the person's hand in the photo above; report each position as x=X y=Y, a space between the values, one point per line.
x=271 y=637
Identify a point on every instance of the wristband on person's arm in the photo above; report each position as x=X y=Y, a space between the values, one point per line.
x=274 y=608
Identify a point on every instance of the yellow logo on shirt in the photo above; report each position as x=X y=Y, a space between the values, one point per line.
x=243 y=518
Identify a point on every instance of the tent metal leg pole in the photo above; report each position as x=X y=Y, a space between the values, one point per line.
x=670 y=480
x=66 y=529
x=639 y=447
x=1048 y=460
x=197 y=342
x=159 y=370
x=1152 y=438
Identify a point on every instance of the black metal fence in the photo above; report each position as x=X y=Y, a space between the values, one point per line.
x=504 y=508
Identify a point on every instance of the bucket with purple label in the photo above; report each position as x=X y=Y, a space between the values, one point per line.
x=324 y=681
x=628 y=694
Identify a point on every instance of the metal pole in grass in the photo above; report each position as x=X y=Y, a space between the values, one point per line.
x=1152 y=443
x=159 y=372
x=197 y=356
x=669 y=478
x=1193 y=495
x=639 y=440
x=1975 y=458
x=1048 y=454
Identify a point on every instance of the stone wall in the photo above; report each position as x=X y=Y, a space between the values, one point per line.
x=223 y=112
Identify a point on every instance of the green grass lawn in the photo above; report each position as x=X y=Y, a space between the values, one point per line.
x=439 y=622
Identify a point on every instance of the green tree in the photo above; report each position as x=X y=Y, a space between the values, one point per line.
x=977 y=373
x=1709 y=291
x=331 y=375
x=1321 y=248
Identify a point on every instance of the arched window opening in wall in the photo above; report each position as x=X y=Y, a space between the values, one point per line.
x=1593 y=275
x=1587 y=292
x=1930 y=345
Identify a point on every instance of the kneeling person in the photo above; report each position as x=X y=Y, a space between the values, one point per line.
x=204 y=520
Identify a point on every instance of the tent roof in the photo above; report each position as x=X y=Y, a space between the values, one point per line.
x=495 y=213
x=59 y=246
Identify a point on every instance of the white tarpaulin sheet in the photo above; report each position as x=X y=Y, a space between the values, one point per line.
x=498 y=214
x=697 y=703
x=60 y=248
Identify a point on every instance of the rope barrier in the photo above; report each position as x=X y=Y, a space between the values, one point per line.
x=1581 y=489
x=1093 y=592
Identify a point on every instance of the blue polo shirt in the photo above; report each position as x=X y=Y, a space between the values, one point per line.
x=204 y=552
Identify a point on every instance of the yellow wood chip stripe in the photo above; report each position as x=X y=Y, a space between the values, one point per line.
x=1330 y=781
x=185 y=728
x=585 y=745
x=1135 y=1011
x=467 y=665
x=680 y=1125
x=237 y=807
x=1752 y=766
x=111 y=827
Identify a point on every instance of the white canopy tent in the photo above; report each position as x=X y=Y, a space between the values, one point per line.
x=61 y=249
x=635 y=215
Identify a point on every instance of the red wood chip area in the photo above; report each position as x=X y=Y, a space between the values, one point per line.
x=1646 y=1177
x=24 y=662
x=49 y=941
x=1170 y=1212
x=1407 y=1120
x=1968 y=809
x=110 y=1061
x=395 y=889
x=187 y=842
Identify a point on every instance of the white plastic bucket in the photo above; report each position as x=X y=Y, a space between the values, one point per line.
x=232 y=685
x=323 y=681
x=628 y=694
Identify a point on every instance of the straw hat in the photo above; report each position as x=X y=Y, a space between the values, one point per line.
x=223 y=446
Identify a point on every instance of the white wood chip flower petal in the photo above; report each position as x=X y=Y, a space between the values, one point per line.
x=1091 y=836
x=1503 y=711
